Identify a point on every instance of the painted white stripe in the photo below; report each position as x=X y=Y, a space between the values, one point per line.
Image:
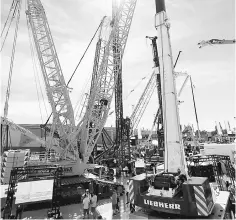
x=200 y=201
x=199 y=192
x=202 y=210
x=203 y=196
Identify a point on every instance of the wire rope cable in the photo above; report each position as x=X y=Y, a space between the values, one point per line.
x=136 y=86
x=12 y=18
x=131 y=91
x=78 y=64
x=81 y=103
x=12 y=62
x=5 y=24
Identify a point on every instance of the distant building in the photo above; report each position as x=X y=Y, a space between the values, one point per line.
x=145 y=134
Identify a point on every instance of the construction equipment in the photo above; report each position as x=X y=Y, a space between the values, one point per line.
x=100 y=98
x=159 y=120
x=50 y=170
x=16 y=5
x=215 y=41
x=119 y=36
x=172 y=191
x=142 y=103
x=136 y=114
x=57 y=91
x=89 y=128
x=49 y=143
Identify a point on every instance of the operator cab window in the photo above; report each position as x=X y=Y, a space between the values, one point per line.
x=144 y=186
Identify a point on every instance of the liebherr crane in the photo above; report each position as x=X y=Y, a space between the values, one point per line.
x=103 y=36
x=159 y=115
x=102 y=92
x=215 y=41
x=142 y=103
x=138 y=110
x=188 y=196
x=57 y=91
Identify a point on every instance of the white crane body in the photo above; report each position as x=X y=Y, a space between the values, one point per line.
x=219 y=131
x=57 y=91
x=143 y=102
x=102 y=93
x=55 y=143
x=174 y=151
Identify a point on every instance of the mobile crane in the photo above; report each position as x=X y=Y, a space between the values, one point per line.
x=186 y=196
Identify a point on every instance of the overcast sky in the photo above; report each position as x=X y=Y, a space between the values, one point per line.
x=73 y=23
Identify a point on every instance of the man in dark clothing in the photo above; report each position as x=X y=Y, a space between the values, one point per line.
x=117 y=204
x=114 y=202
x=19 y=211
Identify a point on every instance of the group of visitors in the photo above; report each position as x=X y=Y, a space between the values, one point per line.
x=89 y=204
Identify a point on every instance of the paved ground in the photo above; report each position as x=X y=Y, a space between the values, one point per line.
x=75 y=211
x=105 y=209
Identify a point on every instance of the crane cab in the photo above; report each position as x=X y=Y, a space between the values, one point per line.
x=162 y=193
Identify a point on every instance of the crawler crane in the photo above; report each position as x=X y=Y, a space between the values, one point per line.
x=90 y=127
x=186 y=196
x=100 y=98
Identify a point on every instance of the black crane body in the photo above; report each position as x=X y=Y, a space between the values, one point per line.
x=159 y=119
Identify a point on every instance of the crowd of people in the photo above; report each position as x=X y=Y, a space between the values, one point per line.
x=89 y=201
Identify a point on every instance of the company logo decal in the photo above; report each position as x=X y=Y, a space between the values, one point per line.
x=162 y=204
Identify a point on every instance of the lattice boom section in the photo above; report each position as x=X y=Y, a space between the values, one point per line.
x=55 y=84
x=143 y=102
x=101 y=95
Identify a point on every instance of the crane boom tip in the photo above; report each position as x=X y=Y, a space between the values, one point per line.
x=160 y=6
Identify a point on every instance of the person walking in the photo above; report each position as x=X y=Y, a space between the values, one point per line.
x=118 y=203
x=93 y=205
x=114 y=202
x=19 y=211
x=86 y=202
